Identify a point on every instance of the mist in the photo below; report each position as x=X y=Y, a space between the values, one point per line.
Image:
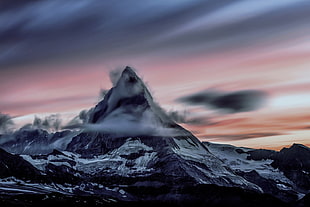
x=51 y=123
x=185 y=117
x=129 y=122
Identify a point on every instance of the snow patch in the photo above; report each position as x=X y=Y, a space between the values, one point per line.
x=239 y=161
x=118 y=161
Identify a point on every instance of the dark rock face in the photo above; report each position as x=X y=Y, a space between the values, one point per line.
x=305 y=201
x=294 y=162
x=61 y=174
x=261 y=154
x=14 y=165
x=282 y=174
x=269 y=186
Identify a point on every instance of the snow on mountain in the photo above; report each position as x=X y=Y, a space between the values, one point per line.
x=36 y=141
x=236 y=158
x=260 y=167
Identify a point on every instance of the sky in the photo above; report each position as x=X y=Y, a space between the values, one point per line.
x=196 y=56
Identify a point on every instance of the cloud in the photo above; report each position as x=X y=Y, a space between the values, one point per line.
x=186 y=118
x=46 y=103
x=115 y=75
x=78 y=121
x=84 y=115
x=6 y=123
x=232 y=102
x=230 y=137
x=52 y=29
x=51 y=123
x=47 y=30
x=122 y=124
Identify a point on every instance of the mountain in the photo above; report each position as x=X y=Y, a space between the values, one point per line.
x=131 y=153
x=36 y=141
x=145 y=141
x=284 y=174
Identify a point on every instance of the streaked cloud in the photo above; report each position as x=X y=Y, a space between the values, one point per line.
x=55 y=56
x=233 y=137
x=231 y=102
x=50 y=30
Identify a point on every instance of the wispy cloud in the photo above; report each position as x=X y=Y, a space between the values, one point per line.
x=42 y=105
x=233 y=137
x=247 y=127
x=185 y=117
x=231 y=102
x=38 y=31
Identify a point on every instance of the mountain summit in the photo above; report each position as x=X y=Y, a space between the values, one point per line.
x=129 y=103
x=128 y=93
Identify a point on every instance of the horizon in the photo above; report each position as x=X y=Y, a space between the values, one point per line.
x=216 y=51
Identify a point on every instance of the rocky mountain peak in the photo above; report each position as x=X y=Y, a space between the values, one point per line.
x=129 y=100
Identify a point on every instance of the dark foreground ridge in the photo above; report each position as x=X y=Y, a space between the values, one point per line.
x=130 y=153
x=205 y=195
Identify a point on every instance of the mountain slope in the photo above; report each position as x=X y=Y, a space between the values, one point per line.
x=36 y=141
x=284 y=174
